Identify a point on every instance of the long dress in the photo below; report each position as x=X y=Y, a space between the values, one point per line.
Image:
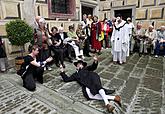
x=119 y=42
x=95 y=31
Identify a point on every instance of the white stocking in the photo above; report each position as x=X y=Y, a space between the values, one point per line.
x=100 y=96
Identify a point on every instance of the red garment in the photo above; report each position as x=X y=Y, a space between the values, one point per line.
x=96 y=31
x=106 y=34
x=107 y=29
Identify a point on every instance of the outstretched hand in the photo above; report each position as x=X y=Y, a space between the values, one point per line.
x=95 y=58
x=49 y=59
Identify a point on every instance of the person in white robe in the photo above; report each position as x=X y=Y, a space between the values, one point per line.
x=119 y=41
x=130 y=26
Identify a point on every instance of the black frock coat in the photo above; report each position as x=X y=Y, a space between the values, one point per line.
x=86 y=78
x=2 y=51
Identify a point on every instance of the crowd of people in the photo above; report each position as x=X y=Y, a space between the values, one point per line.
x=91 y=35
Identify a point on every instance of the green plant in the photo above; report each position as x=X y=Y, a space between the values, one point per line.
x=19 y=33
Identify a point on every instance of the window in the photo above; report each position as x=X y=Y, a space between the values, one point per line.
x=61 y=8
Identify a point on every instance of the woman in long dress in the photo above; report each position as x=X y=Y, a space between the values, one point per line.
x=95 y=33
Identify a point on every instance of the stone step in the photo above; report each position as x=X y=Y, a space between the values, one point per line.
x=49 y=100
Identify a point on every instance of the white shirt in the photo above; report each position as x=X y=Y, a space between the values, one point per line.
x=62 y=36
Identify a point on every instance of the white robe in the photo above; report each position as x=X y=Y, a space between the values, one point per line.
x=119 y=42
x=129 y=27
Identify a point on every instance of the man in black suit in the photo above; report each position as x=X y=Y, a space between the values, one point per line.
x=68 y=48
x=90 y=83
x=86 y=28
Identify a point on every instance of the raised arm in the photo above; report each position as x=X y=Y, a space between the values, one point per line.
x=67 y=78
x=94 y=65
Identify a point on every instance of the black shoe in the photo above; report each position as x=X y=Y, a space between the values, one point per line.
x=88 y=55
x=140 y=54
x=118 y=100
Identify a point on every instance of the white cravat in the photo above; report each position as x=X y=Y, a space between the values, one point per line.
x=62 y=36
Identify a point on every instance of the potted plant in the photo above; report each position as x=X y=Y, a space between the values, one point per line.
x=19 y=33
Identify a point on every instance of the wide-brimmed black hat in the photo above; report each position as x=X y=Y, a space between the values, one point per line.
x=80 y=61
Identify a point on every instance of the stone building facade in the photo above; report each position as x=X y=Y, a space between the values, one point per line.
x=56 y=12
x=146 y=11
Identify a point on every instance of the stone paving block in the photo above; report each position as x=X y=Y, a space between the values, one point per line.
x=104 y=81
x=137 y=72
x=154 y=73
x=158 y=60
x=144 y=60
x=152 y=83
x=107 y=75
x=123 y=75
x=156 y=66
x=146 y=102
x=128 y=67
x=131 y=61
x=12 y=97
x=4 y=84
x=84 y=109
x=141 y=65
x=135 y=57
x=99 y=69
x=55 y=84
x=99 y=105
x=101 y=58
x=146 y=56
x=54 y=73
x=113 y=68
x=106 y=62
x=34 y=106
x=69 y=89
x=80 y=97
x=129 y=90
x=47 y=77
x=115 y=83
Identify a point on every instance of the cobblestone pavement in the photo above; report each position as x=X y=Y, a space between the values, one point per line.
x=140 y=82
